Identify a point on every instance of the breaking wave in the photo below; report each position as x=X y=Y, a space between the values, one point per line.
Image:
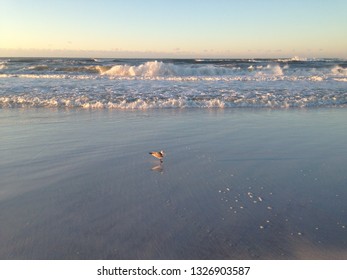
x=340 y=71
x=3 y=65
x=186 y=83
x=181 y=100
x=155 y=68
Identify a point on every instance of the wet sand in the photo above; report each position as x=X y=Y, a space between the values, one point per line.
x=235 y=184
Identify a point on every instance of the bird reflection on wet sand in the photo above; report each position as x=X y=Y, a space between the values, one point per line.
x=158 y=168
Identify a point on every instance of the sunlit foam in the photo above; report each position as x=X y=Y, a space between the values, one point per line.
x=158 y=69
x=338 y=70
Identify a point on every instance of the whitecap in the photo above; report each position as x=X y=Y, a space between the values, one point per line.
x=338 y=70
x=161 y=69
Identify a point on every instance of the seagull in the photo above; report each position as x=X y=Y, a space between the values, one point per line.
x=158 y=155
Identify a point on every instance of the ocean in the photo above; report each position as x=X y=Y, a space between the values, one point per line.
x=172 y=83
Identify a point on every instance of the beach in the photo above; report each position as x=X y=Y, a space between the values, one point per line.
x=236 y=183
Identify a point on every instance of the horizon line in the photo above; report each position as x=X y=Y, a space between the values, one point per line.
x=173 y=58
x=125 y=54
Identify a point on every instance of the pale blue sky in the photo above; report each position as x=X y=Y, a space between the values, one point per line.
x=175 y=28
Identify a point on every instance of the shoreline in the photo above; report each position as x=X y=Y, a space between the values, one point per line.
x=79 y=184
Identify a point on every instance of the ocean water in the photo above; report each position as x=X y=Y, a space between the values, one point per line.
x=167 y=83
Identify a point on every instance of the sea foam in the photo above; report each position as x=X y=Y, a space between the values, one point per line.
x=194 y=83
x=155 y=68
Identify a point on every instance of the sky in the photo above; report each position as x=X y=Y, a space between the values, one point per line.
x=174 y=28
